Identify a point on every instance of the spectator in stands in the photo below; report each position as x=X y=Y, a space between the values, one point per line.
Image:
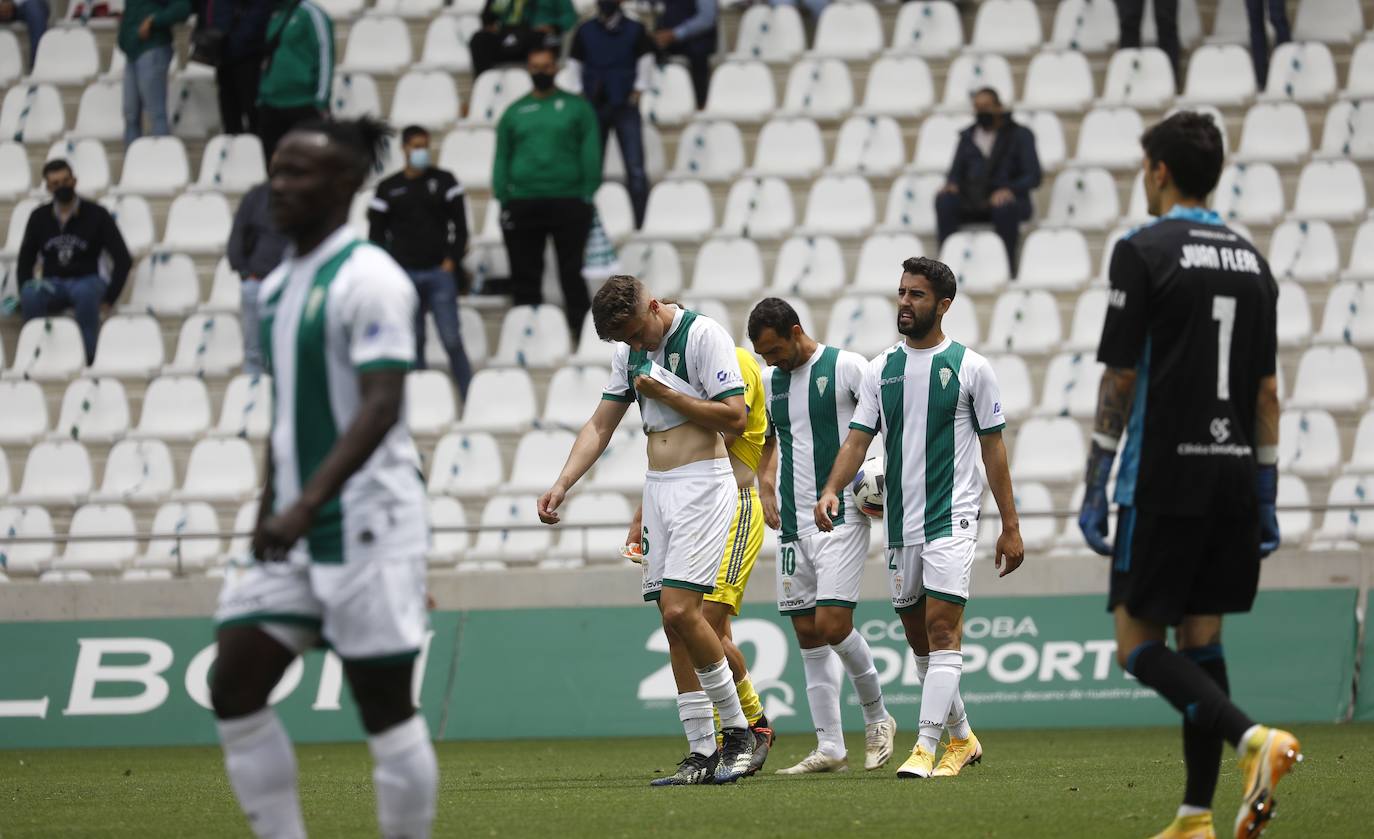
x=511 y=28
x=418 y=215
x=815 y=7
x=1259 y=38
x=688 y=28
x=67 y=236
x=255 y=248
x=614 y=58
x=994 y=170
x=298 y=72
x=145 y=37
x=244 y=24
x=1129 y=14
x=33 y=14
x=546 y=173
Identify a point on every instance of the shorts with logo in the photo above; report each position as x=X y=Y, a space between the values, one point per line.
x=742 y=546
x=1167 y=567
x=823 y=569
x=687 y=516
x=940 y=569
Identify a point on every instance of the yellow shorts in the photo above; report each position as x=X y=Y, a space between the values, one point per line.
x=742 y=547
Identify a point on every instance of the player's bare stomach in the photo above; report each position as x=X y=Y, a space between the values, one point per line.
x=687 y=443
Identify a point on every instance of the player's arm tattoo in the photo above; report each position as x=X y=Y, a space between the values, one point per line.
x=1114 y=398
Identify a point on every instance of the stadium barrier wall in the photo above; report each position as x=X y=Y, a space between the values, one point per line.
x=1043 y=661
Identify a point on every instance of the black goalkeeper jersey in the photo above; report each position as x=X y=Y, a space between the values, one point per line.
x=1193 y=309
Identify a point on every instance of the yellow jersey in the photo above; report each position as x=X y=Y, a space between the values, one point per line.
x=749 y=446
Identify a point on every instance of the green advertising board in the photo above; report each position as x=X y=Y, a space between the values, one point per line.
x=1030 y=662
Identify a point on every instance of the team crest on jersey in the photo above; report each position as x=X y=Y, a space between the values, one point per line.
x=945 y=374
x=821 y=382
x=314 y=302
x=673 y=361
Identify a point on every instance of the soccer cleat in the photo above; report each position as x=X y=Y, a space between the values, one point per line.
x=763 y=742
x=1197 y=826
x=817 y=761
x=958 y=754
x=694 y=769
x=1268 y=755
x=736 y=752
x=878 y=739
x=920 y=765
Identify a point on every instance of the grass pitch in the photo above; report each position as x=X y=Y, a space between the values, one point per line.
x=1094 y=783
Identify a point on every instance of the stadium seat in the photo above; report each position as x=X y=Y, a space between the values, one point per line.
x=1006 y=27
x=656 y=264
x=1331 y=190
x=1189 y=24
x=539 y=458
x=164 y=284
x=1294 y=315
x=130 y=347
x=88 y=160
x=655 y=158
x=971 y=72
x=1086 y=25
x=102 y=556
x=494 y=91
x=1037 y=532
x=1055 y=259
x=591 y=350
x=168 y=546
x=759 y=208
x=410 y=9
x=14 y=170
x=468 y=153
x=425 y=97
x=66 y=56
x=862 y=323
x=679 y=211
x=840 y=205
x=220 y=469
x=789 y=147
x=377 y=44
x=247 y=407
x=429 y=402
x=474 y=335
x=770 y=33
x=1025 y=322
x=1050 y=145
x=1349 y=131
x=1294 y=525
x=446 y=44
x=880 y=261
x=25 y=558
x=174 y=408
x=1071 y=385
x=1084 y=198
x=1305 y=251
x=710 y=151
x=498 y=543
x=499 y=400
x=668 y=99
x=155 y=166
x=135 y=220
x=1088 y=315
x=193 y=106
x=1141 y=78
x=1329 y=21
x=1014 y=384
x=898 y=86
x=572 y=396
x=19 y=220
x=1251 y=193
x=55 y=472
x=613 y=207
x=1309 y=443
x=1219 y=74
x=355 y=94
x=810 y=266
x=622 y=466
x=232 y=164
x=819 y=88
x=447 y=545
x=849 y=31
x=533 y=336
x=1347 y=523
x=245 y=522
x=137 y=471
x=49 y=349
x=1359 y=79
x=911 y=203
x=1110 y=137
x=595 y=544
x=1274 y=132
x=11 y=66
x=741 y=91
x=1058 y=81
x=727 y=269
x=93 y=410
x=466 y=465
x=198 y=223
x=1361 y=265
x=32 y=113
x=25 y=417
x=343 y=10
x=1362 y=453
x=1301 y=72
x=1349 y=315
x=932 y=28
x=978 y=259
x=1049 y=449
x=210 y=345
x=1332 y=378
x=226 y=290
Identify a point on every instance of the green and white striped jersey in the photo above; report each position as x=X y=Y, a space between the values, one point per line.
x=930 y=406
x=343 y=309
x=810 y=409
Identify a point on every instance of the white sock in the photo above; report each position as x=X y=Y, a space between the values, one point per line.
x=406 y=777
x=823 y=675
x=937 y=695
x=957 y=721
x=694 y=709
x=1189 y=810
x=262 y=770
x=857 y=659
x=719 y=684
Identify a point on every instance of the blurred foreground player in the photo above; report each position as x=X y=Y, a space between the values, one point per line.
x=341 y=536
x=1190 y=343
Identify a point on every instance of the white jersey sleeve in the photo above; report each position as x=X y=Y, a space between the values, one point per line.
x=715 y=366
x=850 y=370
x=868 y=415
x=987 y=398
x=379 y=312
x=618 y=388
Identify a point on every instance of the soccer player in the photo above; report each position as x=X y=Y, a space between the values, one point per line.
x=683 y=370
x=812 y=394
x=341 y=536
x=1190 y=345
x=931 y=397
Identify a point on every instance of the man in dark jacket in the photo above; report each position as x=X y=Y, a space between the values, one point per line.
x=995 y=168
x=511 y=28
x=145 y=38
x=688 y=28
x=255 y=247
x=244 y=24
x=68 y=235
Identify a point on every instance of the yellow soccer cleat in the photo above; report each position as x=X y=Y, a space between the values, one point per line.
x=1268 y=755
x=958 y=754
x=920 y=765
x=1189 y=827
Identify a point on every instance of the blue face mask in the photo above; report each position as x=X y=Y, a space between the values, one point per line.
x=419 y=158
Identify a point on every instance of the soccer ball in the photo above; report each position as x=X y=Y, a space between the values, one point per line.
x=868 y=487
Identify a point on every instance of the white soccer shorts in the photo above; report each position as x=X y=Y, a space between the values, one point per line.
x=823 y=569
x=687 y=517
x=940 y=569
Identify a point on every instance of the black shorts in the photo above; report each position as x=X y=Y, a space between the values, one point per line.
x=1167 y=567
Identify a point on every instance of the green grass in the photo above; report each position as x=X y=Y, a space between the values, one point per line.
x=1094 y=783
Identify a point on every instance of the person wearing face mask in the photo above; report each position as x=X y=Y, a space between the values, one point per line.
x=67 y=236
x=990 y=181
x=545 y=174
x=613 y=57
x=419 y=217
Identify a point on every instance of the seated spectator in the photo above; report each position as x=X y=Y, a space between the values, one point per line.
x=1259 y=38
x=67 y=236
x=994 y=170
x=511 y=28
x=33 y=14
x=145 y=38
x=298 y=72
x=244 y=24
x=255 y=248
x=688 y=28
x=1129 y=14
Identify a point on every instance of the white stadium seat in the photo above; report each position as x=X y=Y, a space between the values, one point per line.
x=208 y=345
x=928 y=27
x=499 y=400
x=612 y=201
x=1309 y=443
x=595 y=544
x=1058 y=81
x=1071 y=384
x=1189 y=24
x=174 y=408
x=880 y=261
x=1305 y=251
x=25 y=417
x=770 y=33
x=343 y=10
x=1349 y=130
x=88 y=160
x=32 y=113
x=11 y=66
x=1331 y=190
x=1219 y=74
x=850 y=31
x=135 y=220
x=49 y=349
x=26 y=558
x=937 y=141
x=1345 y=523
x=679 y=210
x=66 y=56
x=494 y=91
x=1087 y=25
x=591 y=350
x=668 y=99
x=1025 y=322
x=1048 y=449
x=100 y=556
x=429 y=402
x=220 y=469
x=468 y=153
x=1274 y=132
x=820 y=88
x=14 y=170
x=137 y=470
x=1084 y=198
x=1050 y=145
x=710 y=150
x=1141 y=78
x=1037 y=532
x=741 y=91
x=425 y=97
x=155 y=166
x=446 y=546
x=1006 y=27
x=810 y=266
x=1362 y=453
x=1359 y=79
x=497 y=543
x=1013 y=383
x=354 y=94
x=169 y=546
x=1110 y=137
x=1055 y=259
x=232 y=164
x=164 y=284
x=978 y=259
x=466 y=465
x=1302 y=72
x=533 y=336
x=759 y=208
x=971 y=72
x=1250 y=193
x=789 y=147
x=226 y=290
x=1294 y=525
x=19 y=220
x=862 y=323
x=55 y=472
x=93 y=410
x=539 y=458
x=622 y=466
x=898 y=86
x=656 y=264
x=1330 y=21
x=573 y=395
x=1361 y=265
x=198 y=223
x=1088 y=315
x=911 y=203
x=1332 y=378
x=1349 y=315
x=247 y=407
x=245 y=522
x=377 y=44
x=422 y=9
x=446 y=44
x=727 y=269
x=1294 y=315
x=193 y=106
x=840 y=205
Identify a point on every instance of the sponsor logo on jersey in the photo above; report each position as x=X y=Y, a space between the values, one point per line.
x=1116 y=298
x=821 y=382
x=1221 y=429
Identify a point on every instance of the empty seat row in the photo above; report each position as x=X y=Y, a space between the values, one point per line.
x=130 y=346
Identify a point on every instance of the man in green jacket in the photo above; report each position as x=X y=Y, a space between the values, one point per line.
x=546 y=173
x=145 y=37
x=298 y=73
